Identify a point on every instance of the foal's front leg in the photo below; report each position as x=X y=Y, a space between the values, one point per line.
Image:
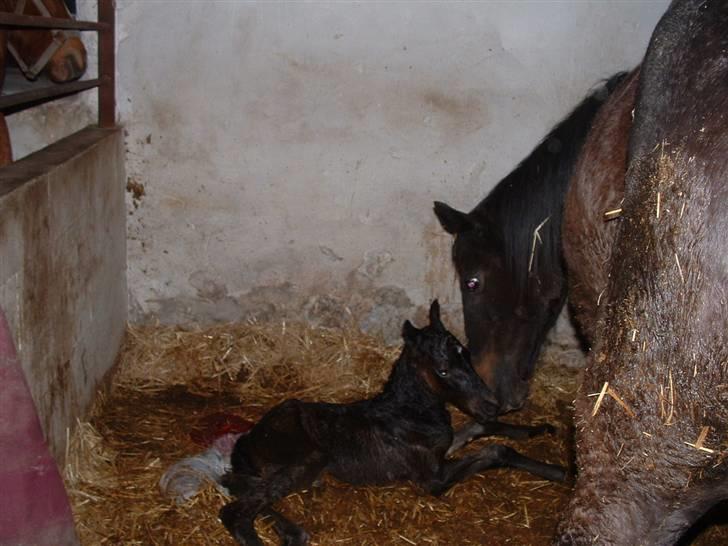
x=474 y=430
x=453 y=471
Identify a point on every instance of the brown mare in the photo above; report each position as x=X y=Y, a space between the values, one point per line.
x=53 y=52
x=652 y=452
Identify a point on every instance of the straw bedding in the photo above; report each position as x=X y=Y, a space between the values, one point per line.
x=170 y=378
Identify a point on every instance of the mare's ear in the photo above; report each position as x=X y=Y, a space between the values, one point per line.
x=453 y=221
x=435 y=314
x=409 y=332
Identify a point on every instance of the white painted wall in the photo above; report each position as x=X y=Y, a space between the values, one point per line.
x=290 y=150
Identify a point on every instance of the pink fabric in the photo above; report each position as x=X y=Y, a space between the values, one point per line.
x=34 y=508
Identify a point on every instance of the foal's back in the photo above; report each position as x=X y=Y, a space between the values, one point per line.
x=375 y=441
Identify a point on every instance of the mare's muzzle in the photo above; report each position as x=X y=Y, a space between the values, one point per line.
x=502 y=377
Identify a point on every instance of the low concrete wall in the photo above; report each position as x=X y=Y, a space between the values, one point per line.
x=63 y=270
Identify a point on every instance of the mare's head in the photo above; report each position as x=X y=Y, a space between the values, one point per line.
x=445 y=366
x=58 y=53
x=508 y=255
x=512 y=291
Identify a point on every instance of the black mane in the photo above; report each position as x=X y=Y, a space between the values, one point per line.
x=535 y=190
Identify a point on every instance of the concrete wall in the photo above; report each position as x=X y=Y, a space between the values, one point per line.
x=62 y=270
x=285 y=156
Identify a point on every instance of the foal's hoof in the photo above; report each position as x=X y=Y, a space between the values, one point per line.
x=556 y=474
x=547 y=429
x=299 y=538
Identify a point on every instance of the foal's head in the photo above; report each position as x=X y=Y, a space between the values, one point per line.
x=444 y=364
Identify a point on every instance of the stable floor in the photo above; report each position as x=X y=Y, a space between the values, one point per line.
x=171 y=380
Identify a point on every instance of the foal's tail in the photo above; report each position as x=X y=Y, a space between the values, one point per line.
x=184 y=479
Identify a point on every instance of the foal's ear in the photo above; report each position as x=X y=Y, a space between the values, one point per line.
x=453 y=221
x=435 y=314
x=409 y=332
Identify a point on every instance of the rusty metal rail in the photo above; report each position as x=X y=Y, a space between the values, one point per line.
x=13 y=20
x=105 y=83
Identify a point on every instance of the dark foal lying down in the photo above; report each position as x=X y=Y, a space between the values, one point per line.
x=401 y=434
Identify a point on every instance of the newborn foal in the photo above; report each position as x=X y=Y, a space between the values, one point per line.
x=401 y=434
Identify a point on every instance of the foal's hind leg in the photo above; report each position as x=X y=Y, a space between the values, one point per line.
x=474 y=430
x=256 y=495
x=236 y=518
x=284 y=481
x=493 y=456
x=290 y=533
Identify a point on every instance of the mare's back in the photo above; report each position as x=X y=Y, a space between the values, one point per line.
x=682 y=95
x=679 y=150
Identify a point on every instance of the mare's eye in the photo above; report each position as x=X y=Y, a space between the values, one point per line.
x=472 y=284
x=459 y=349
x=442 y=373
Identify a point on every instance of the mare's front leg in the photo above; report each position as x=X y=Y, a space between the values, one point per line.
x=452 y=471
x=474 y=430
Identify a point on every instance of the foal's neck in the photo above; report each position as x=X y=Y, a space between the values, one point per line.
x=406 y=387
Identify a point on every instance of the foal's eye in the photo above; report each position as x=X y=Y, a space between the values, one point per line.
x=459 y=349
x=442 y=373
x=472 y=284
